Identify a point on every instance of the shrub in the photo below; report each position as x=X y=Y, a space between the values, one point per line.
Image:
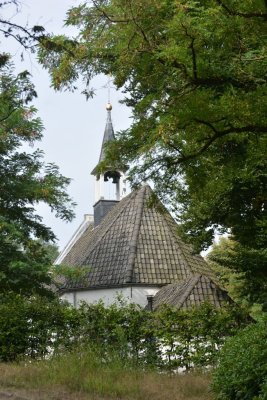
x=242 y=369
x=193 y=338
x=167 y=339
x=31 y=327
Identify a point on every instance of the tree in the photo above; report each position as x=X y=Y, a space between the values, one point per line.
x=25 y=242
x=51 y=250
x=199 y=115
x=241 y=270
x=194 y=74
x=25 y=181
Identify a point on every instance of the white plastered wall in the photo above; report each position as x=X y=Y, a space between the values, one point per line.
x=136 y=294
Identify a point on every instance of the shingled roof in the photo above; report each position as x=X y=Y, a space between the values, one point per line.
x=191 y=293
x=134 y=244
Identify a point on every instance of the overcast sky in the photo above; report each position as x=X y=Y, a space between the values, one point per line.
x=74 y=127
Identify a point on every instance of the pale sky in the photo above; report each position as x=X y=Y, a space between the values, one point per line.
x=74 y=127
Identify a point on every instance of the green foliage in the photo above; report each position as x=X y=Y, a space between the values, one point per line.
x=25 y=181
x=32 y=327
x=167 y=339
x=193 y=338
x=242 y=370
x=121 y=328
x=51 y=250
x=60 y=273
x=241 y=270
x=194 y=74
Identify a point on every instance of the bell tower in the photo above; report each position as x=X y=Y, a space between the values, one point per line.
x=110 y=185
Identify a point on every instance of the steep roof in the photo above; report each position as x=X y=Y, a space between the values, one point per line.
x=190 y=293
x=108 y=137
x=87 y=224
x=134 y=244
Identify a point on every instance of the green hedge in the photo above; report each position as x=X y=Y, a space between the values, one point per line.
x=33 y=327
x=167 y=339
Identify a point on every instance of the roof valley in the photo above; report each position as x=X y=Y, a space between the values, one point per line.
x=175 y=236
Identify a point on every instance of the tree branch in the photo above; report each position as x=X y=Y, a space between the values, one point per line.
x=139 y=27
x=108 y=17
x=233 y=129
x=241 y=14
x=8 y=115
x=17 y=38
x=191 y=46
x=220 y=81
x=194 y=60
x=175 y=64
x=36 y=36
x=217 y=135
x=21 y=28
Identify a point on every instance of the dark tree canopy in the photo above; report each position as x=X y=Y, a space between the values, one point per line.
x=241 y=270
x=25 y=181
x=195 y=76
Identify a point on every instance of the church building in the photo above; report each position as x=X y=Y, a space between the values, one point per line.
x=132 y=249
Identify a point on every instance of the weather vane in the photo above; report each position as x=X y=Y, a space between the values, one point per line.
x=108 y=86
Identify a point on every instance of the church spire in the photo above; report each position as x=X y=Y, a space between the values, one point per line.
x=110 y=185
x=108 y=133
x=107 y=137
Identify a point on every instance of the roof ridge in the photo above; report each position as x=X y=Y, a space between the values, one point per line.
x=187 y=247
x=183 y=246
x=134 y=240
x=194 y=279
x=169 y=220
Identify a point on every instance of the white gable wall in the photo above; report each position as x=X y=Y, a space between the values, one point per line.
x=136 y=294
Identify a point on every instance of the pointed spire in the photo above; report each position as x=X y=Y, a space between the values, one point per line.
x=108 y=133
x=114 y=175
x=108 y=137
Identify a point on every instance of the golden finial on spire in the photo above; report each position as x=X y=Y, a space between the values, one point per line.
x=109 y=106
